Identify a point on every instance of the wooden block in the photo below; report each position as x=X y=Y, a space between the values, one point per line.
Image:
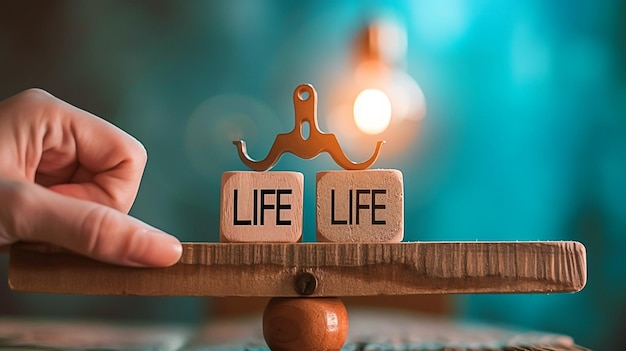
x=329 y=269
x=261 y=207
x=360 y=206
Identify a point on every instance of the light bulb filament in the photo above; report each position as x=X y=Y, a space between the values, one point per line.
x=372 y=111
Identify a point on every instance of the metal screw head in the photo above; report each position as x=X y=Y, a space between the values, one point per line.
x=306 y=283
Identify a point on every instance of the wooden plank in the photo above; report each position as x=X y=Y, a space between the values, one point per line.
x=315 y=269
x=369 y=330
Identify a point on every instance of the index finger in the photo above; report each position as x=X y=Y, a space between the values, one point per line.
x=74 y=152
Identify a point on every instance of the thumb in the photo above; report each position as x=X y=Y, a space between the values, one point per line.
x=30 y=212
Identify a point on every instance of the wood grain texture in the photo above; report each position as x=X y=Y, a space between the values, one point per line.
x=369 y=330
x=430 y=304
x=261 y=207
x=360 y=206
x=340 y=269
x=305 y=324
x=376 y=330
x=29 y=334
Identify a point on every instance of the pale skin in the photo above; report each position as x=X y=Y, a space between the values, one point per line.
x=69 y=178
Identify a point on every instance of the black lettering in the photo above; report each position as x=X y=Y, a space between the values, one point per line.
x=350 y=207
x=265 y=206
x=255 y=208
x=332 y=210
x=360 y=206
x=280 y=206
x=237 y=221
x=376 y=206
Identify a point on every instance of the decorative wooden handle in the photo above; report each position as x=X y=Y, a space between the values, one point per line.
x=305 y=106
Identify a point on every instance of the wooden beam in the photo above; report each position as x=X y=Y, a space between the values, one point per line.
x=313 y=269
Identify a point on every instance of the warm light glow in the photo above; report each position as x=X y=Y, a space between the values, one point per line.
x=372 y=111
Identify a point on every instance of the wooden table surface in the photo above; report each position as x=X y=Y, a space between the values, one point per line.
x=369 y=330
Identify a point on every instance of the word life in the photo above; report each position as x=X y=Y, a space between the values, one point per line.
x=351 y=206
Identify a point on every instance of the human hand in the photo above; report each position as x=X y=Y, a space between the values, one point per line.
x=69 y=178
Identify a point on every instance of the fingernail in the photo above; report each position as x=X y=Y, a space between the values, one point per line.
x=156 y=249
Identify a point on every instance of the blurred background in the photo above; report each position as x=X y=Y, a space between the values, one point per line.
x=508 y=120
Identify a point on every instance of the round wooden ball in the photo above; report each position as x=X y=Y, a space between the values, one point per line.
x=305 y=324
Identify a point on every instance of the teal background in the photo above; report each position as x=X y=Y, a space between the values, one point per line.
x=525 y=136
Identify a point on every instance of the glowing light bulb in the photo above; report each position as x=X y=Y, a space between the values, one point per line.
x=372 y=111
x=375 y=98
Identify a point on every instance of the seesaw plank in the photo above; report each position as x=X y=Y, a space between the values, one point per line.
x=338 y=269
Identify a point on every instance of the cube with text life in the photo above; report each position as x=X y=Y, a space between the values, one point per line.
x=360 y=206
x=261 y=207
